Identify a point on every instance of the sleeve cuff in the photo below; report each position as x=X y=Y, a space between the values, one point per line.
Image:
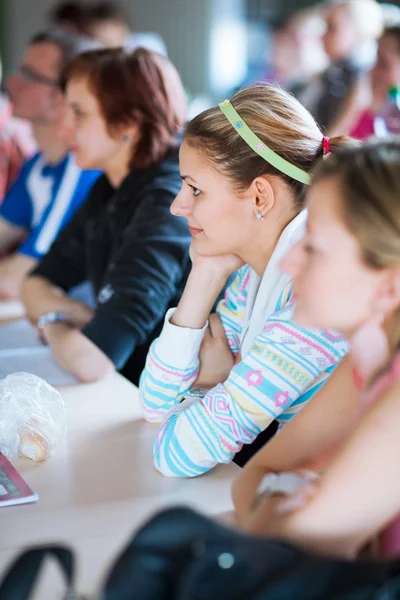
x=179 y=346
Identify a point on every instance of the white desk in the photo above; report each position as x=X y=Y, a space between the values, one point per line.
x=11 y=309
x=100 y=486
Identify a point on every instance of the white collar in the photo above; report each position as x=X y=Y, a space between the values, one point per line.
x=263 y=293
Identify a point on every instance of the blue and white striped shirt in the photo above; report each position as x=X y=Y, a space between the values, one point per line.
x=43 y=199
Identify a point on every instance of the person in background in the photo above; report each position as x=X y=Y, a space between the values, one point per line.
x=297 y=49
x=391 y=15
x=106 y=23
x=294 y=53
x=384 y=75
x=50 y=186
x=71 y=17
x=351 y=254
x=109 y=25
x=216 y=382
x=125 y=111
x=337 y=96
x=16 y=144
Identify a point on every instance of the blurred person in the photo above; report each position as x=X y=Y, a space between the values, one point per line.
x=391 y=15
x=337 y=96
x=216 y=382
x=109 y=25
x=351 y=254
x=104 y=22
x=16 y=144
x=384 y=75
x=297 y=50
x=71 y=17
x=50 y=186
x=125 y=111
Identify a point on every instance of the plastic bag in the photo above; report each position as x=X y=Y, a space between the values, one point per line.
x=32 y=417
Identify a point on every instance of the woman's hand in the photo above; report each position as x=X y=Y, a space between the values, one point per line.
x=205 y=282
x=270 y=513
x=216 y=358
x=78 y=314
x=221 y=265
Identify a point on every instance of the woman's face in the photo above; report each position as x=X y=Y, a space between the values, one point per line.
x=339 y=38
x=386 y=72
x=86 y=132
x=333 y=288
x=219 y=221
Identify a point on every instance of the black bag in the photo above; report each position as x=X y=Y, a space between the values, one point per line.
x=181 y=555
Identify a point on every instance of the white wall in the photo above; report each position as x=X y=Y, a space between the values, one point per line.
x=185 y=25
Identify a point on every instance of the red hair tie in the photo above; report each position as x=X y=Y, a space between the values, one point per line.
x=325 y=145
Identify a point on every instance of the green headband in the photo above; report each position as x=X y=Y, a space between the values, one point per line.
x=258 y=146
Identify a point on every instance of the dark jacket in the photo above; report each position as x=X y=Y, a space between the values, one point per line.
x=135 y=254
x=326 y=95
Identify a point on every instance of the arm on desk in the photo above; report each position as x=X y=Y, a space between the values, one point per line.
x=40 y=296
x=72 y=350
x=75 y=353
x=313 y=434
x=356 y=497
x=13 y=270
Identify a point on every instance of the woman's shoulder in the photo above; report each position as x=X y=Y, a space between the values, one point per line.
x=99 y=193
x=161 y=178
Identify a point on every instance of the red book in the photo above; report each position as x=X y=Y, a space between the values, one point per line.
x=13 y=489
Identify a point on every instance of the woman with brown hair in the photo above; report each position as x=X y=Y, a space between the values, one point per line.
x=124 y=115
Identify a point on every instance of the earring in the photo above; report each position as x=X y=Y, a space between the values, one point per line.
x=259 y=216
x=126 y=138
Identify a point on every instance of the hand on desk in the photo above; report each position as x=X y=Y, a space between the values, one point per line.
x=78 y=313
x=75 y=353
x=270 y=515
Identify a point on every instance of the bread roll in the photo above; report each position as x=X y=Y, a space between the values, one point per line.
x=32 y=445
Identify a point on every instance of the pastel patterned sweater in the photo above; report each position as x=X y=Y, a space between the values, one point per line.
x=281 y=368
x=285 y=366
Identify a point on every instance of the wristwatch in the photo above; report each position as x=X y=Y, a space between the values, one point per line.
x=50 y=317
x=285 y=484
x=197 y=393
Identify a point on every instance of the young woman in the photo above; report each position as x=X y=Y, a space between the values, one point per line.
x=124 y=115
x=384 y=75
x=337 y=96
x=244 y=166
x=351 y=254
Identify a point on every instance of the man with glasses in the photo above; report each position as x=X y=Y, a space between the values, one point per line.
x=50 y=187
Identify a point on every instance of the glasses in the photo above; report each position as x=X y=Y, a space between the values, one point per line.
x=30 y=76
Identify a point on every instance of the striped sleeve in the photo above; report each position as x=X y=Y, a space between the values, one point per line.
x=172 y=365
x=283 y=370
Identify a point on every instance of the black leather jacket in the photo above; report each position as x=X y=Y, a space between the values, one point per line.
x=135 y=254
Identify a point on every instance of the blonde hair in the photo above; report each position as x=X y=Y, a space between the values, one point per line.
x=278 y=119
x=369 y=180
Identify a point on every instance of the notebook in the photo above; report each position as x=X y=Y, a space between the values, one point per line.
x=13 y=489
x=22 y=350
